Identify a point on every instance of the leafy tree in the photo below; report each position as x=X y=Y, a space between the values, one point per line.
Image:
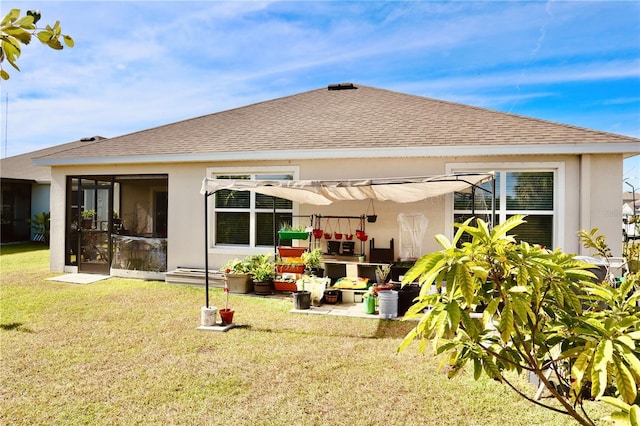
x=42 y=224
x=542 y=312
x=16 y=31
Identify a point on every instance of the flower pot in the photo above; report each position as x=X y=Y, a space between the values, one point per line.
x=285 y=286
x=327 y=236
x=290 y=268
x=293 y=235
x=291 y=251
x=337 y=235
x=317 y=233
x=239 y=283
x=302 y=299
x=208 y=316
x=331 y=296
x=226 y=315
x=372 y=218
x=263 y=287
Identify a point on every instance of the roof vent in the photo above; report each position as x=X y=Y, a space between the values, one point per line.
x=88 y=139
x=341 y=86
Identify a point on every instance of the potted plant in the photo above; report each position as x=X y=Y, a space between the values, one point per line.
x=236 y=273
x=226 y=314
x=382 y=274
x=313 y=262
x=262 y=270
x=302 y=297
x=290 y=232
x=87 y=218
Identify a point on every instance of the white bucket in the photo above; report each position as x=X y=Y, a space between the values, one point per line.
x=388 y=303
x=208 y=315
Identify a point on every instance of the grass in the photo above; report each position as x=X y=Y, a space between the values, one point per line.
x=127 y=352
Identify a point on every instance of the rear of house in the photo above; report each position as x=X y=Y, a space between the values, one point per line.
x=148 y=213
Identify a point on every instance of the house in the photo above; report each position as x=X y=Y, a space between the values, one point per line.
x=25 y=191
x=565 y=178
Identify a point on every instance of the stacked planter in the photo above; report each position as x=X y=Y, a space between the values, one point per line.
x=291 y=264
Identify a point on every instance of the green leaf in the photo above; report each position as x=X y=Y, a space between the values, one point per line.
x=631 y=359
x=603 y=354
x=408 y=339
x=624 y=380
x=44 y=36
x=453 y=310
x=443 y=241
x=12 y=16
x=25 y=22
x=465 y=281
x=477 y=369
x=616 y=402
x=68 y=41
x=506 y=322
x=634 y=415
x=580 y=367
x=491 y=368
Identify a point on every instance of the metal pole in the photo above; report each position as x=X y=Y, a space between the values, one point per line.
x=206 y=249
x=493 y=201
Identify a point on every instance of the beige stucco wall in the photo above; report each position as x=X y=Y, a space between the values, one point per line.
x=600 y=179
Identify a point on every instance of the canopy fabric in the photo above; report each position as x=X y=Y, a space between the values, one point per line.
x=325 y=192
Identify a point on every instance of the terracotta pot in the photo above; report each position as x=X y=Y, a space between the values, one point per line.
x=226 y=315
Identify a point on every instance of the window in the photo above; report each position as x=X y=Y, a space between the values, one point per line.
x=531 y=193
x=244 y=218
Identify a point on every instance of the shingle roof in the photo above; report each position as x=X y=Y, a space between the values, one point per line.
x=362 y=118
x=20 y=167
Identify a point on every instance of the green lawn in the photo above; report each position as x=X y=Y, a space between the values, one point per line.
x=127 y=352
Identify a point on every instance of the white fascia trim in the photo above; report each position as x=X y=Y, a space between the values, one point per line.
x=391 y=152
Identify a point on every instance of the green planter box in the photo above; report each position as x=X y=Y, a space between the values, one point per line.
x=293 y=235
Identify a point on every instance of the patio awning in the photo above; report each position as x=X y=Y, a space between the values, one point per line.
x=324 y=192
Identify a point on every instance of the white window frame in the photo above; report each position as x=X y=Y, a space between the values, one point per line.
x=212 y=172
x=558 y=212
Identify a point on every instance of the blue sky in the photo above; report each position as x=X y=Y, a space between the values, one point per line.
x=140 y=64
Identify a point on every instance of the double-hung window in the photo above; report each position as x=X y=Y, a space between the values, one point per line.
x=528 y=192
x=248 y=219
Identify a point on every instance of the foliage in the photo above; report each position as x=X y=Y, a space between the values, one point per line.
x=236 y=266
x=596 y=242
x=382 y=272
x=292 y=228
x=41 y=224
x=542 y=313
x=88 y=214
x=16 y=30
x=261 y=267
x=312 y=259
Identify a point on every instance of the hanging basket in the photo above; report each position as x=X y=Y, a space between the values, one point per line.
x=371 y=218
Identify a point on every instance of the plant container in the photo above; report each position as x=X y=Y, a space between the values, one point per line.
x=239 y=283
x=290 y=251
x=263 y=287
x=293 y=235
x=290 y=269
x=302 y=299
x=226 y=315
x=285 y=286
